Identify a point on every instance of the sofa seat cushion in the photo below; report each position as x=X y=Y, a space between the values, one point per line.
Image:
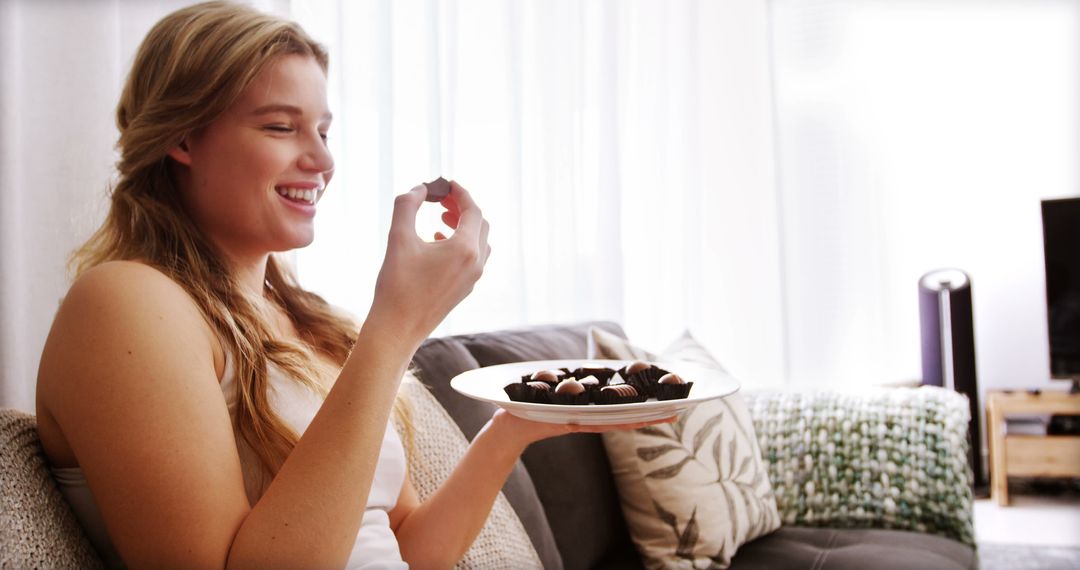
x=841 y=549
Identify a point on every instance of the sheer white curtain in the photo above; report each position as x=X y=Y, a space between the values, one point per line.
x=624 y=153
x=621 y=150
x=62 y=64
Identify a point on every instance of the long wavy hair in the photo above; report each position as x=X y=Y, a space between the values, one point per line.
x=191 y=67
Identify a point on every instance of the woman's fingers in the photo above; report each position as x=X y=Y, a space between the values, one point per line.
x=485 y=249
x=450 y=219
x=449 y=203
x=469 y=215
x=467 y=220
x=405 y=207
x=612 y=427
x=403 y=289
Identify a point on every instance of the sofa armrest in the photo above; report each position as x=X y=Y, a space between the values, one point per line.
x=888 y=458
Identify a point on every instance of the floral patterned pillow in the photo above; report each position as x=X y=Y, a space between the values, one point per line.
x=694 y=490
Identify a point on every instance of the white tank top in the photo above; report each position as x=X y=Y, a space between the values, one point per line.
x=376 y=547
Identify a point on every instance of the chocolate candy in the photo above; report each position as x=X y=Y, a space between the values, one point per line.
x=637 y=366
x=620 y=389
x=437 y=189
x=545 y=376
x=589 y=381
x=569 y=386
x=540 y=385
x=670 y=378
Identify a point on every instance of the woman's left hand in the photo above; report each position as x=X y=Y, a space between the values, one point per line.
x=522 y=432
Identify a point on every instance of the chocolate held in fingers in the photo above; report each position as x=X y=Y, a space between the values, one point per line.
x=437 y=189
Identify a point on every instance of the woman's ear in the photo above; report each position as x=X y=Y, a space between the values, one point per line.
x=180 y=153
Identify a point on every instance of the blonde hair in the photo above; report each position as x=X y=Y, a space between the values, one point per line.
x=191 y=67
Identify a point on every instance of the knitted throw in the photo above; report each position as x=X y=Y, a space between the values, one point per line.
x=37 y=528
x=886 y=459
x=434 y=449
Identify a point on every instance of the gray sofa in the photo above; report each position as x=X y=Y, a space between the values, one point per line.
x=546 y=489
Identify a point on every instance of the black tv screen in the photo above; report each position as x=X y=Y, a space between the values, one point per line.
x=1061 y=249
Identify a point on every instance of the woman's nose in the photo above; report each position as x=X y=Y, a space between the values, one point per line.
x=316 y=155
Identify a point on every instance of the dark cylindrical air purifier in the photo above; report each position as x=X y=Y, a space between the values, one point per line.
x=948 y=346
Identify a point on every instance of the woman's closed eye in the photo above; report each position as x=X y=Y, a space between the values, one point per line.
x=286 y=129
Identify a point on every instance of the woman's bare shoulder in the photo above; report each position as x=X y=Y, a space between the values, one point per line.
x=125 y=277
x=133 y=290
x=128 y=302
x=127 y=392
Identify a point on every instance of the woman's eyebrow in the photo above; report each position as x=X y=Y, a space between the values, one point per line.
x=283 y=108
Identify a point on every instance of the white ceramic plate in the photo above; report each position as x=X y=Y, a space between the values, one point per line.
x=487 y=384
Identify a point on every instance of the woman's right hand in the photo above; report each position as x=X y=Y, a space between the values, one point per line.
x=421 y=282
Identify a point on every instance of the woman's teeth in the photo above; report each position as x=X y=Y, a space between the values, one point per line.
x=298 y=194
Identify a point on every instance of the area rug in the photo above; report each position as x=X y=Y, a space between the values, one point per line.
x=996 y=556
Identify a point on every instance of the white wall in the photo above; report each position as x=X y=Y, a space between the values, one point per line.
x=914 y=136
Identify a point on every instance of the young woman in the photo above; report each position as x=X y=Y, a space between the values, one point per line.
x=198 y=407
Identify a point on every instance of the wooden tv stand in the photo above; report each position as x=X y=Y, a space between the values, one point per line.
x=1029 y=455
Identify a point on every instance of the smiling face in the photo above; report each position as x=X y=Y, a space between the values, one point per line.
x=252 y=178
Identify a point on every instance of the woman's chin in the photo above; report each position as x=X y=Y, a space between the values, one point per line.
x=295 y=240
x=303 y=242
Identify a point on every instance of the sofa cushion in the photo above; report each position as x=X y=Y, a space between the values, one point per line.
x=548 y=342
x=37 y=528
x=435 y=363
x=875 y=458
x=843 y=549
x=695 y=490
x=435 y=445
x=566 y=469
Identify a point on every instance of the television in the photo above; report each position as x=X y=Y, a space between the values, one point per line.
x=1061 y=251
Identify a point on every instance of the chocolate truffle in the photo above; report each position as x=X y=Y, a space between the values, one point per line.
x=672 y=387
x=637 y=366
x=569 y=386
x=437 y=189
x=671 y=378
x=602 y=375
x=589 y=382
x=619 y=394
x=621 y=389
x=533 y=392
x=545 y=376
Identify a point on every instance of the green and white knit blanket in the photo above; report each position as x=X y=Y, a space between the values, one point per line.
x=892 y=458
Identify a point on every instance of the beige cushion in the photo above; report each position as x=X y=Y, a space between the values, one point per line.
x=435 y=447
x=692 y=491
x=37 y=528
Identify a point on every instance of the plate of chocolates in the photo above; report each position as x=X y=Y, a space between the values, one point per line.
x=595 y=392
